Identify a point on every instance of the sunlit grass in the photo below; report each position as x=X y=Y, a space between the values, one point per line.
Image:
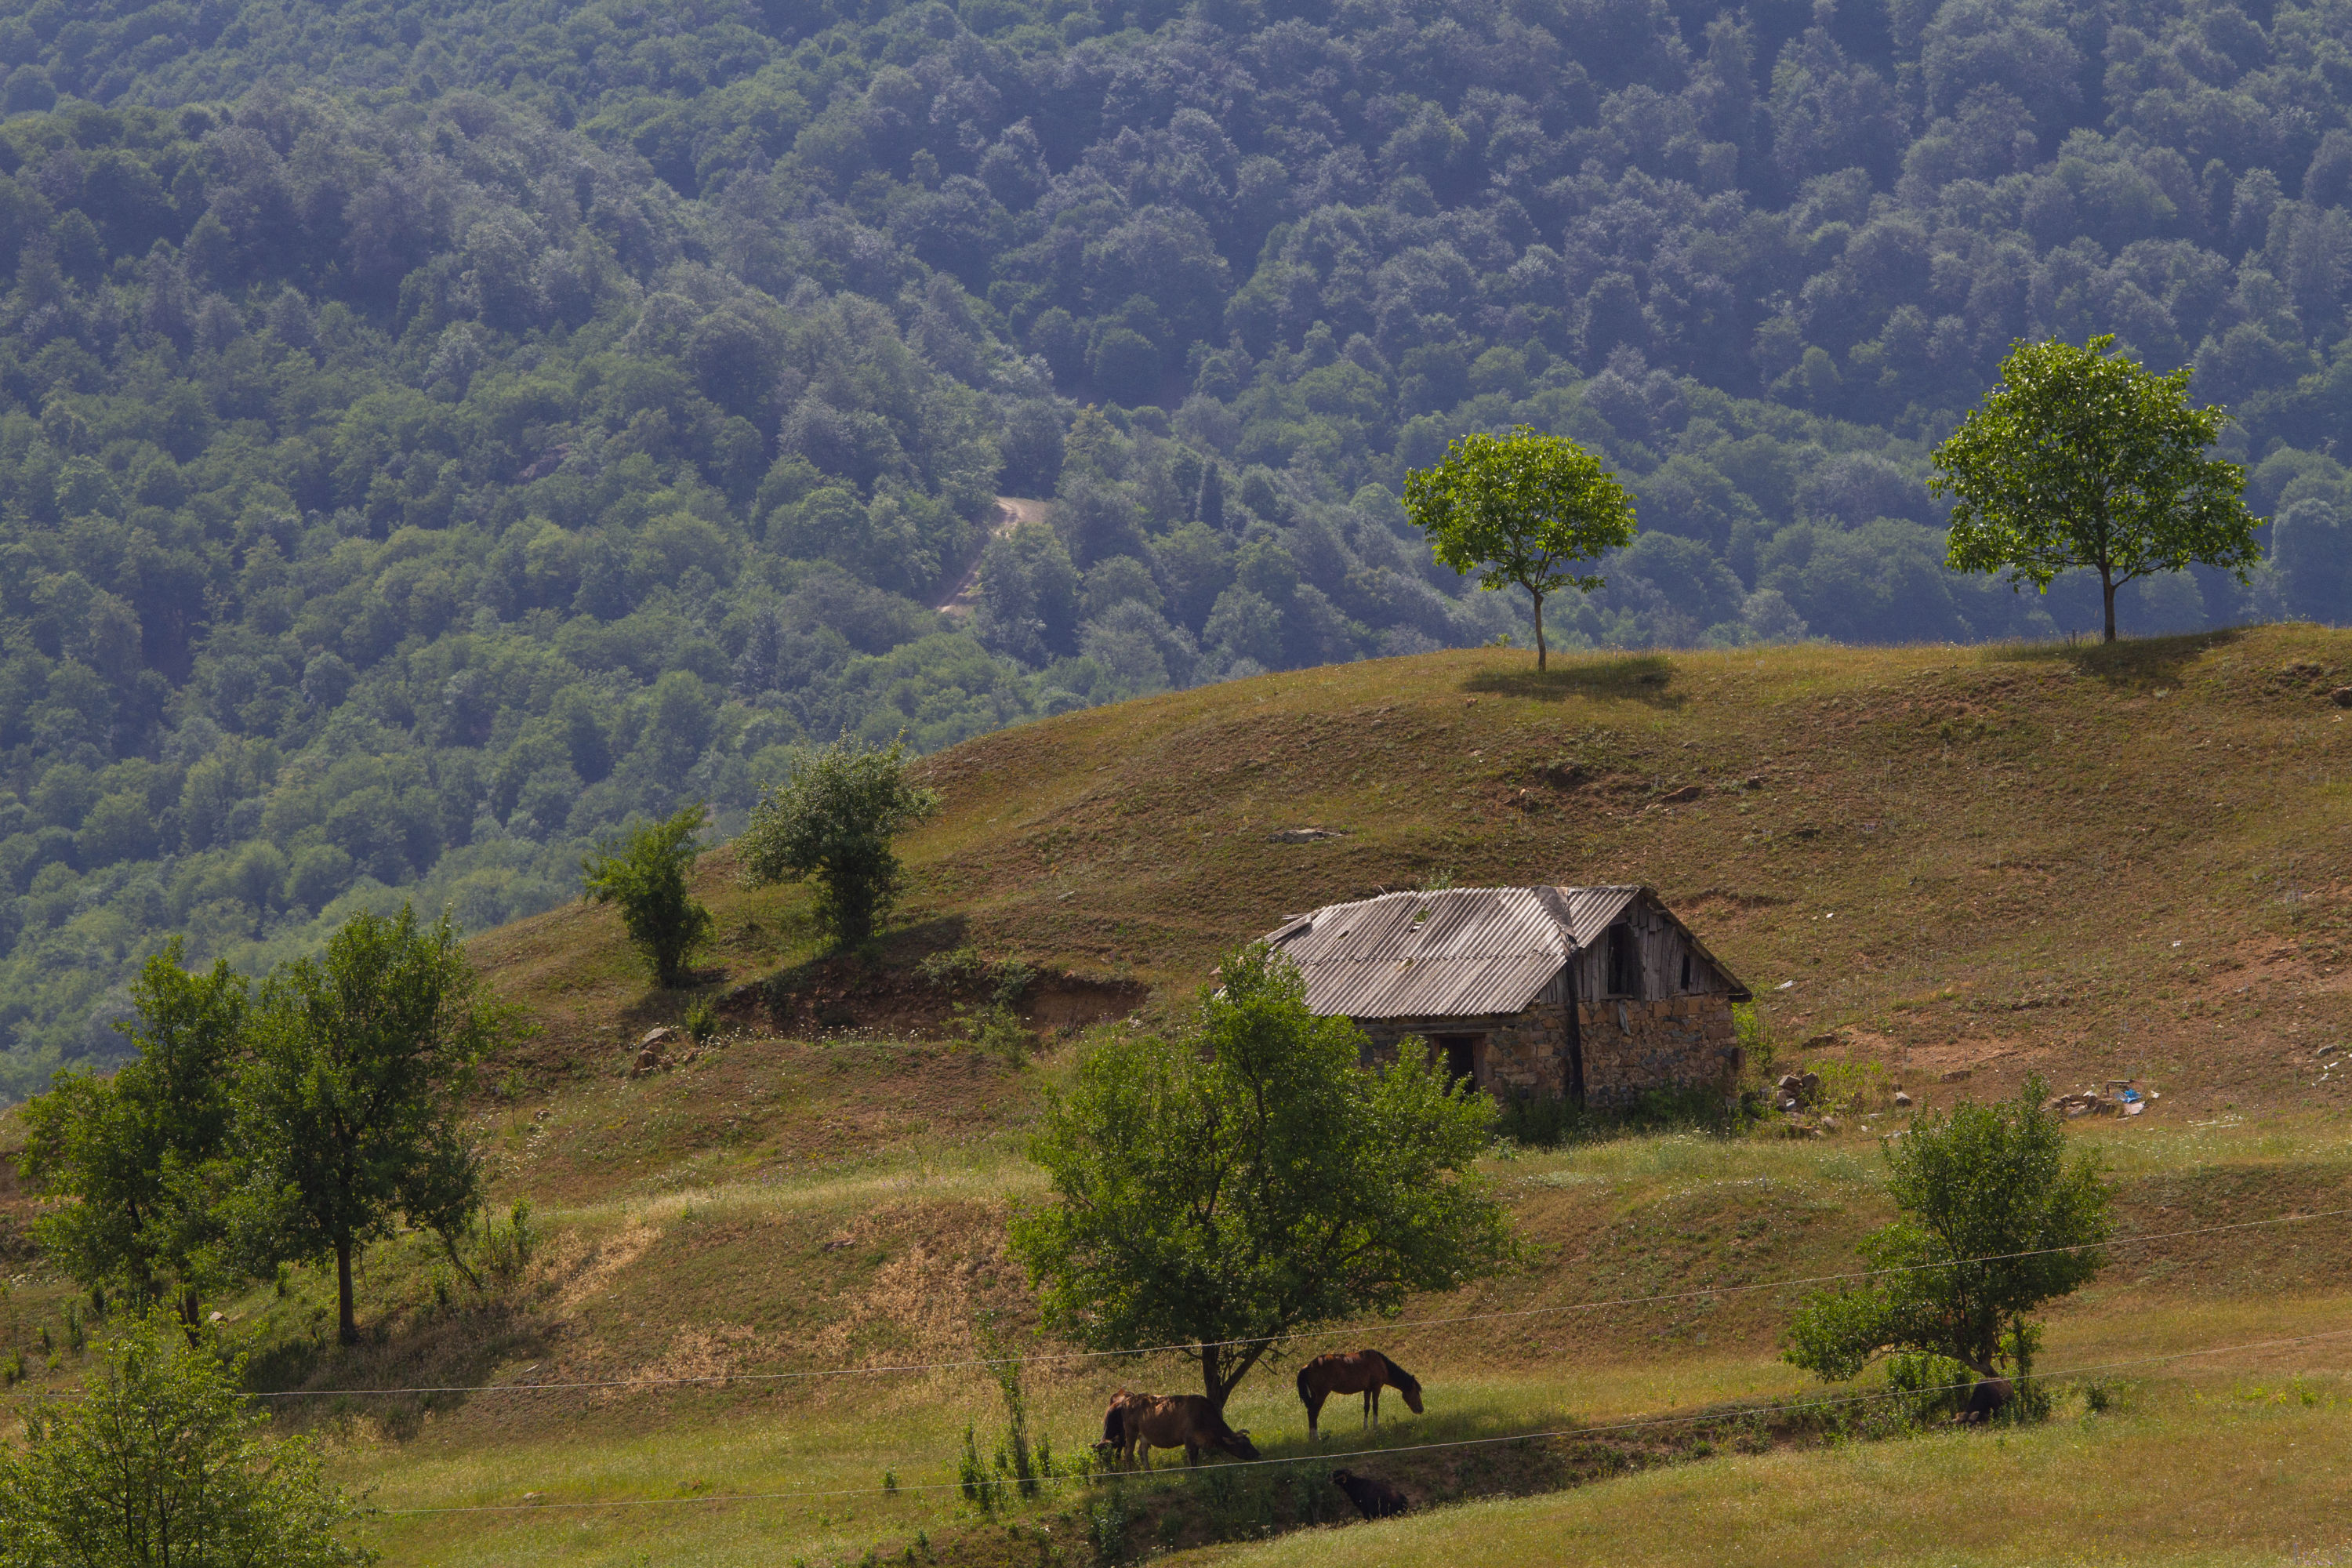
x=2220 y=1473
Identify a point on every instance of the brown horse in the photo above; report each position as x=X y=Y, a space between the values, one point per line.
x=1138 y=1423
x=1354 y=1371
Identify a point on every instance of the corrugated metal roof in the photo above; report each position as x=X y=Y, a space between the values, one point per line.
x=1462 y=952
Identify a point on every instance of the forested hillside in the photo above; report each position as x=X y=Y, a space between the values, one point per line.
x=431 y=434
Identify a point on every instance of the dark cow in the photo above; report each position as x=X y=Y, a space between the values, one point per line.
x=1987 y=1397
x=1374 y=1498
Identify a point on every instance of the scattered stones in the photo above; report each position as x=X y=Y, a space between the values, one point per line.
x=1902 y=1101
x=1304 y=834
x=651 y=1050
x=2342 y=696
x=2328 y=1050
x=1957 y=1074
x=1798 y=1091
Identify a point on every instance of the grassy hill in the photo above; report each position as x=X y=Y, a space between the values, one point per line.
x=1960 y=865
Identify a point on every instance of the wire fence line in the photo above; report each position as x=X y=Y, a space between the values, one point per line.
x=1695 y=1417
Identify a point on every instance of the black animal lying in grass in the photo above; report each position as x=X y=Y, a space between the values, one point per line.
x=1374 y=1498
x=1984 y=1400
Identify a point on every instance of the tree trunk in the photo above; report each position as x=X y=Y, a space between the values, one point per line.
x=1539 y=637
x=2107 y=583
x=347 y=1327
x=1211 y=1384
x=190 y=1309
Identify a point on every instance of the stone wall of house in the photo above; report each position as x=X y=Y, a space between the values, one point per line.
x=1630 y=1047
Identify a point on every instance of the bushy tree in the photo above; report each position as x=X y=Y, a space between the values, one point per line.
x=1995 y=1222
x=1521 y=509
x=350 y=1105
x=2082 y=458
x=646 y=872
x=162 y=1464
x=832 y=820
x=143 y=1154
x=1247 y=1179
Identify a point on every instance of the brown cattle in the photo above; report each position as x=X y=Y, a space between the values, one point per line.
x=1374 y=1498
x=1138 y=1423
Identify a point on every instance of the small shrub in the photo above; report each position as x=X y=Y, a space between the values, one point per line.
x=1760 y=1050
x=76 y=1340
x=972 y=1475
x=701 y=1020
x=996 y=1031
x=1848 y=1087
x=890 y=1480
x=645 y=871
x=1928 y=1387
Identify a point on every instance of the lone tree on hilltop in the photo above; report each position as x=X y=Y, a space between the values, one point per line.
x=832 y=820
x=1995 y=1221
x=1520 y=509
x=145 y=1152
x=2083 y=457
x=1219 y=1190
x=159 y=1464
x=645 y=871
x=350 y=1105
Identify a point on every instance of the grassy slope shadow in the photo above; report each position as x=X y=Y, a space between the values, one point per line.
x=1645 y=678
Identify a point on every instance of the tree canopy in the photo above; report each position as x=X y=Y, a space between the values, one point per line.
x=144 y=1152
x=436 y=433
x=1217 y=1189
x=350 y=1097
x=832 y=818
x=2082 y=458
x=1521 y=509
x=161 y=1464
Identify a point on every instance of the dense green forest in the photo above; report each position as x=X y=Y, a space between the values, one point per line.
x=432 y=434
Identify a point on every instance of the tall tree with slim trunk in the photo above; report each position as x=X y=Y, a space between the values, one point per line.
x=349 y=1108
x=143 y=1154
x=2082 y=458
x=1222 y=1189
x=1521 y=509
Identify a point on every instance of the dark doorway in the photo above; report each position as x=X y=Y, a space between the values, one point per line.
x=1461 y=1053
x=1624 y=962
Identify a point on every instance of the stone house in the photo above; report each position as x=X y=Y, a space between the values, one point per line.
x=1596 y=993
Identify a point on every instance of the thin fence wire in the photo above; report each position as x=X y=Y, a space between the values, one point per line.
x=1708 y=1417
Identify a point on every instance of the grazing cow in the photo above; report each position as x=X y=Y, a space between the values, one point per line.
x=1374 y=1498
x=1354 y=1371
x=1987 y=1396
x=1138 y=1423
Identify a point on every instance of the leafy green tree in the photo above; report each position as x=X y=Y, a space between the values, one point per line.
x=142 y=1154
x=162 y=1464
x=2082 y=458
x=1995 y=1221
x=349 y=1107
x=1250 y=1180
x=832 y=820
x=646 y=873
x=1520 y=507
